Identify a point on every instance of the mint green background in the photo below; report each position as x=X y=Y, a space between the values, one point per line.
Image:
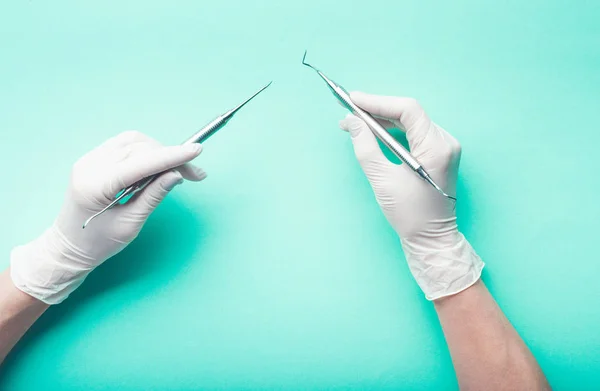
x=279 y=271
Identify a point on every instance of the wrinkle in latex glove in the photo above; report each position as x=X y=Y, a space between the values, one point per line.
x=55 y=264
x=439 y=257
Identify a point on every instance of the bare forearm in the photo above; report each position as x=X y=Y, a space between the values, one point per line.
x=18 y=311
x=486 y=350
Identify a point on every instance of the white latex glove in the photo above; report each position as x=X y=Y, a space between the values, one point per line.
x=439 y=257
x=55 y=264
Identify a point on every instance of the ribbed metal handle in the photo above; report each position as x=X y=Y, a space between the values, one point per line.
x=208 y=130
x=379 y=131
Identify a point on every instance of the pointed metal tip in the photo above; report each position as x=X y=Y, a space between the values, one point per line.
x=259 y=91
x=234 y=110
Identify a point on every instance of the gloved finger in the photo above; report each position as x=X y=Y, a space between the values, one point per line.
x=152 y=161
x=191 y=172
x=133 y=145
x=406 y=113
x=385 y=122
x=366 y=148
x=148 y=199
x=382 y=120
x=125 y=138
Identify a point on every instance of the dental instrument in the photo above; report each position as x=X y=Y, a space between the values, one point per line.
x=200 y=136
x=378 y=130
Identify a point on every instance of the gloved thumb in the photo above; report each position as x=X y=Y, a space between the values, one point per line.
x=149 y=198
x=366 y=148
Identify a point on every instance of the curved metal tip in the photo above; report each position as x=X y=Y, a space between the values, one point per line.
x=90 y=219
x=449 y=197
x=423 y=174
x=102 y=211
x=307 y=64
x=453 y=199
x=442 y=192
x=122 y=195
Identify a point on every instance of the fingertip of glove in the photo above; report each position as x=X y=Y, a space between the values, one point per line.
x=172 y=179
x=358 y=95
x=194 y=148
x=200 y=174
x=176 y=174
x=353 y=125
x=345 y=124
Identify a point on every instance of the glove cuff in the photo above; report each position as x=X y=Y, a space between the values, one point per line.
x=443 y=272
x=48 y=268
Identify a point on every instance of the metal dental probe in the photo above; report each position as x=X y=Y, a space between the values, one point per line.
x=198 y=137
x=379 y=131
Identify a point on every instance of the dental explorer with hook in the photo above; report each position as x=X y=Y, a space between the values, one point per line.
x=198 y=137
x=379 y=131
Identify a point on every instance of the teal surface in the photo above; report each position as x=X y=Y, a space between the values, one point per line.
x=279 y=271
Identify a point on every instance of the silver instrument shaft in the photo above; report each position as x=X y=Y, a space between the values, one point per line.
x=379 y=131
x=199 y=137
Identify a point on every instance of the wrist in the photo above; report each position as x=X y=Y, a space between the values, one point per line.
x=49 y=268
x=429 y=240
x=13 y=296
x=442 y=266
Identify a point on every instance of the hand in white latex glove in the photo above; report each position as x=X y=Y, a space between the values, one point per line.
x=56 y=263
x=439 y=257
